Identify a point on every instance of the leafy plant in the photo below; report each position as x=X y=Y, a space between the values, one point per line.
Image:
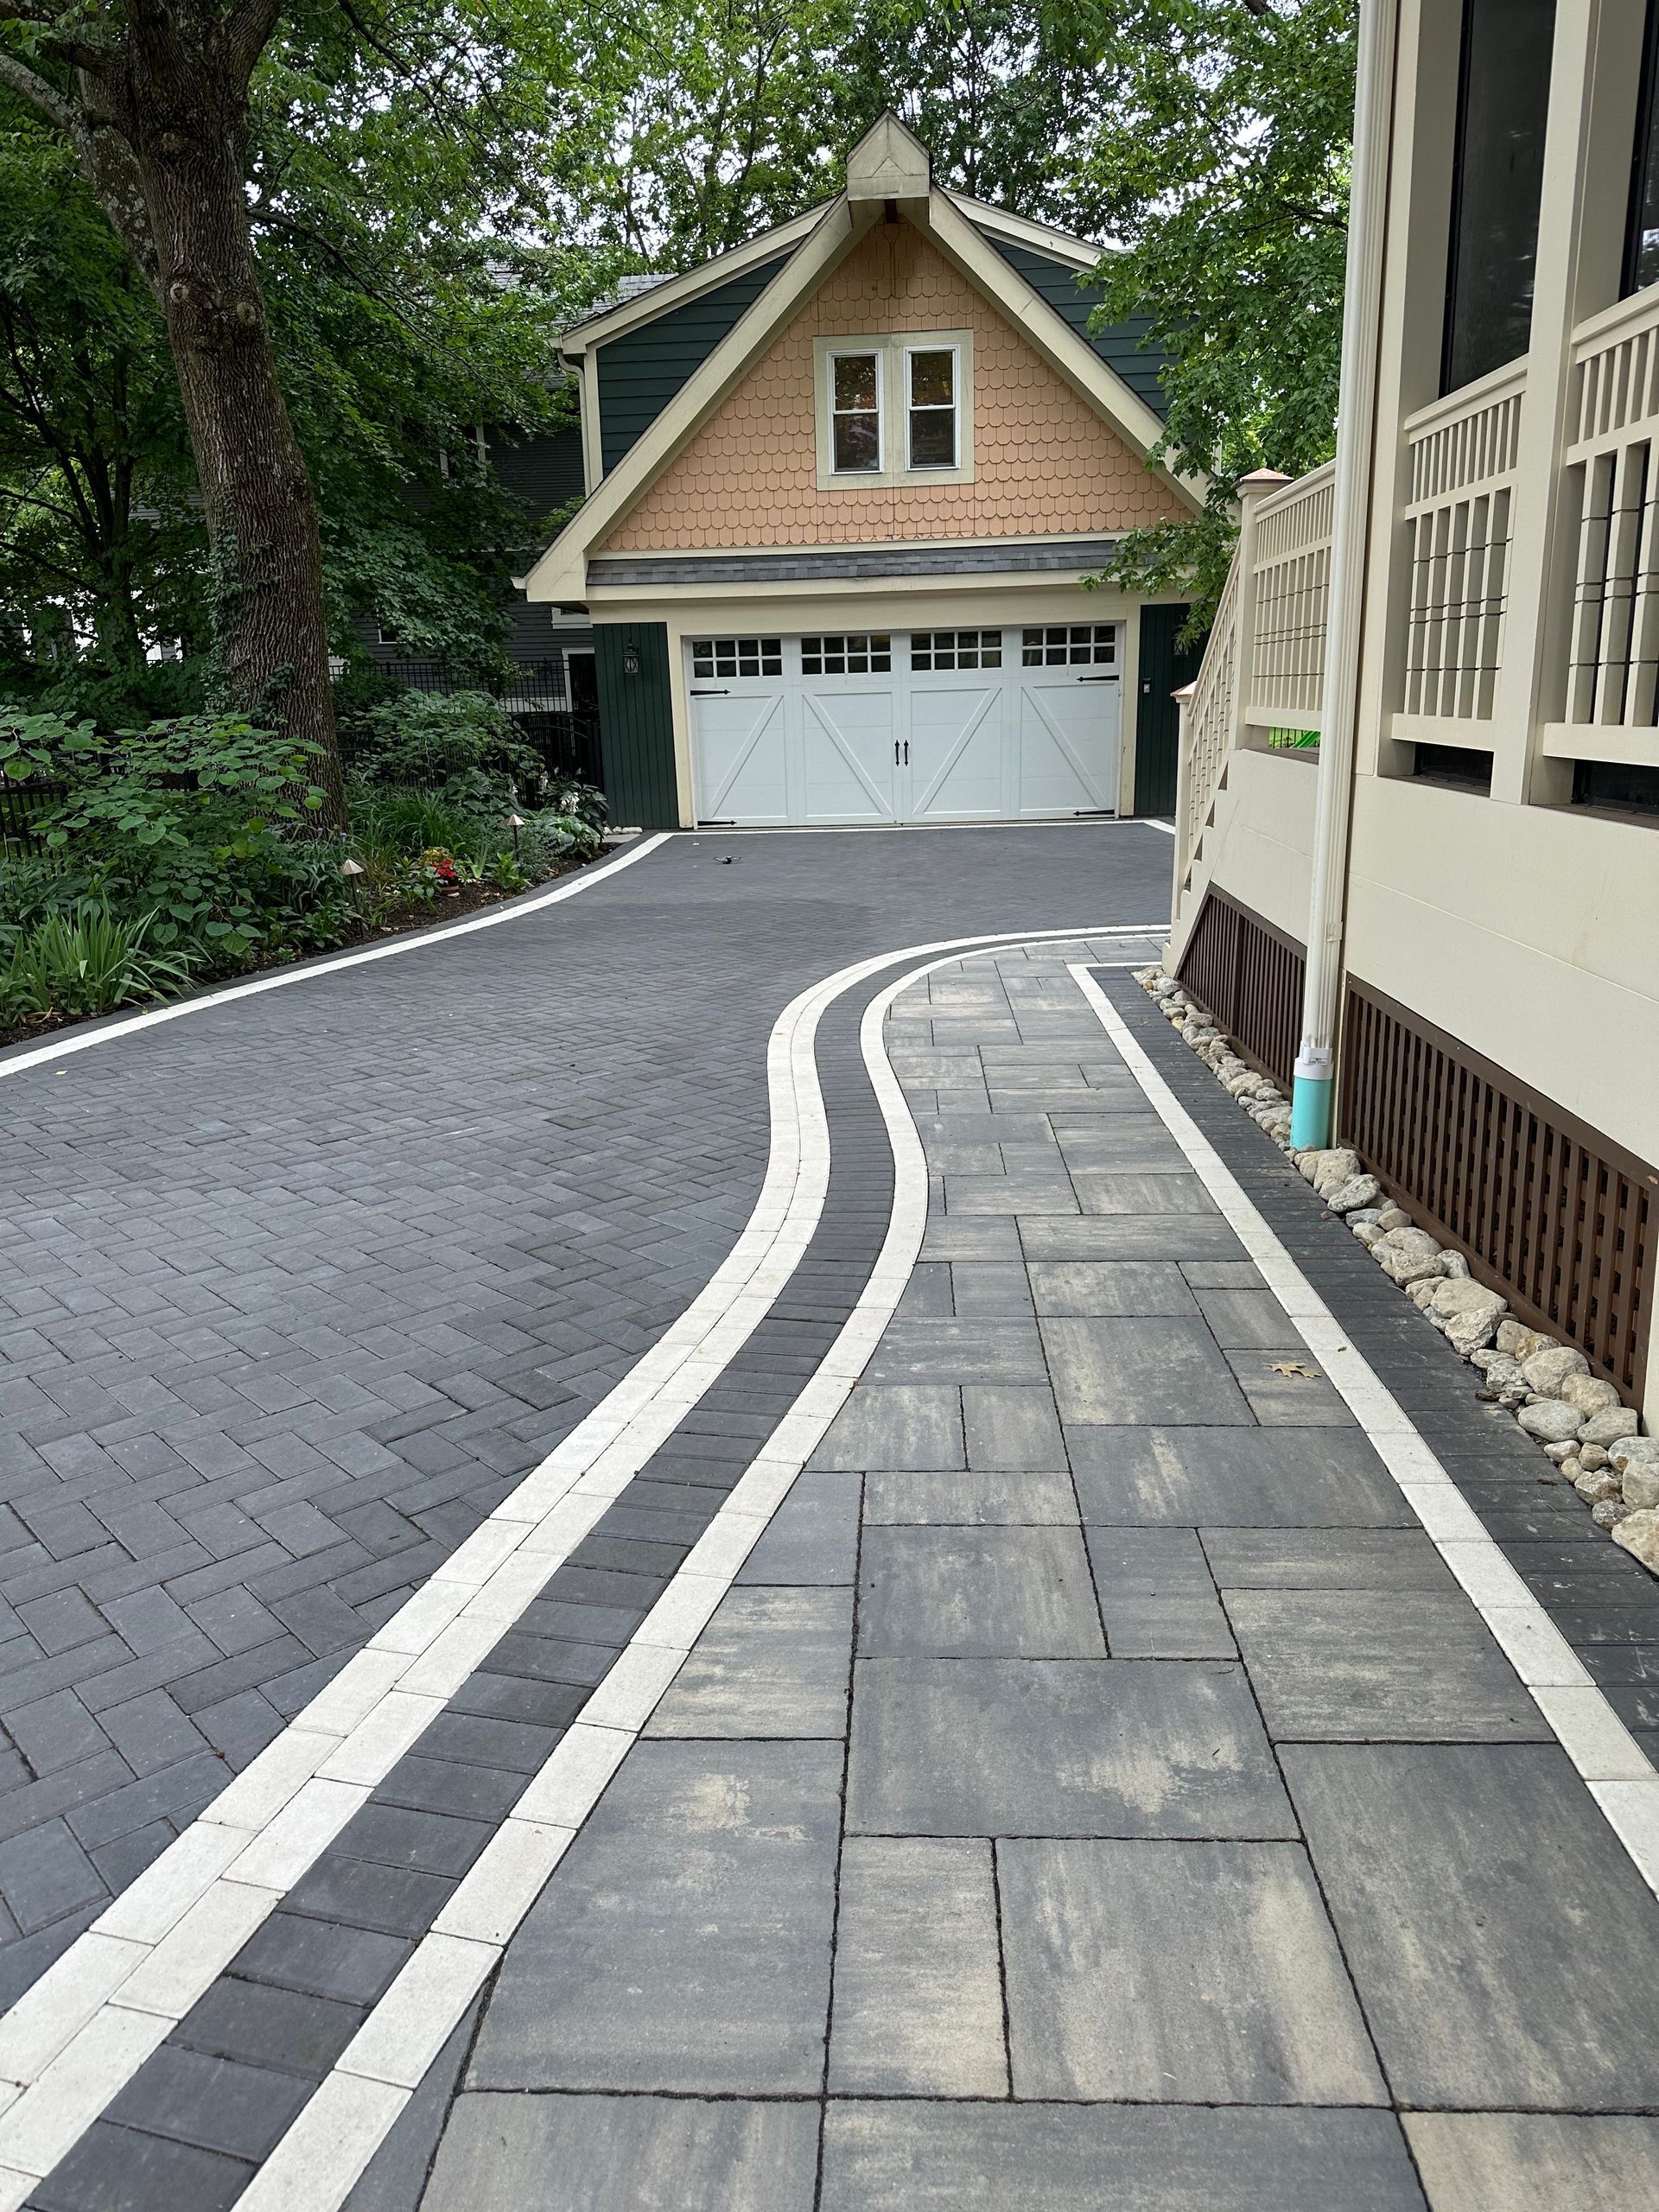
x=430 y=738
x=86 y=962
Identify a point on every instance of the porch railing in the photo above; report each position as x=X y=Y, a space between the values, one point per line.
x=1612 y=479
x=1461 y=455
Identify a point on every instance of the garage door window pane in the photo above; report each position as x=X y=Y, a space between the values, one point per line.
x=933 y=650
x=933 y=407
x=737 y=657
x=856 y=654
x=1068 y=645
x=855 y=416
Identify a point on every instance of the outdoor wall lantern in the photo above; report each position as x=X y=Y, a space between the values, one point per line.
x=630 y=659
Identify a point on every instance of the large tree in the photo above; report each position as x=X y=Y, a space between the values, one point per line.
x=153 y=95
x=360 y=307
x=1216 y=158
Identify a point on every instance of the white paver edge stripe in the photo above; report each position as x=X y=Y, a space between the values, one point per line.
x=83 y=1040
x=1612 y=1765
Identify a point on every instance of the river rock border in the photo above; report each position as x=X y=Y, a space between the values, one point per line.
x=1576 y=1418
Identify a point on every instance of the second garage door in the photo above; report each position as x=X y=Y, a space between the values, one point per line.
x=1012 y=724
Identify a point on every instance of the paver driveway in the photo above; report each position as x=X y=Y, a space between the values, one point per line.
x=1086 y=1784
x=295 y=1289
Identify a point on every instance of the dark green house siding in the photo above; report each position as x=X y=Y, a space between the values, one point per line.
x=1118 y=345
x=636 y=722
x=1166 y=668
x=640 y=372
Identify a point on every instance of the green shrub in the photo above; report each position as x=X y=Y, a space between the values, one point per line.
x=429 y=738
x=193 y=823
x=86 y=962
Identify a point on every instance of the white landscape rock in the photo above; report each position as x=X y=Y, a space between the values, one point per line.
x=1407 y=1256
x=1358 y=1191
x=1520 y=1342
x=1471 y=1313
x=1641 y=1487
x=1639 y=1535
x=1610 y=1513
x=1634 y=1452
x=1589 y=1393
x=1548 y=1420
x=1546 y=1371
x=1593 y=1489
x=1610 y=1426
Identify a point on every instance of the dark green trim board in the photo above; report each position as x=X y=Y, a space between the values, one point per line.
x=640 y=372
x=1165 y=669
x=1119 y=344
x=636 y=724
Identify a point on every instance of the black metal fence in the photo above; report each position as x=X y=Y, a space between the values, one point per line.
x=22 y=808
x=563 y=735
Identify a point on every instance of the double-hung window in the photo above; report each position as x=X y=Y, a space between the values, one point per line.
x=855 y=413
x=931 y=406
x=895 y=409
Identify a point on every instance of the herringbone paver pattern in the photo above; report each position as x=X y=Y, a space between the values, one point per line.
x=295 y=1289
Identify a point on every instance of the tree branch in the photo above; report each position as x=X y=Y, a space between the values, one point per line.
x=50 y=103
x=247 y=33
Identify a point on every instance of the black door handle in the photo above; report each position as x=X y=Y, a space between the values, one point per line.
x=722 y=694
x=1097 y=679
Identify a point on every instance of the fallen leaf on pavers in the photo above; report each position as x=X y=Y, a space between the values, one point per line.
x=1294 y=1366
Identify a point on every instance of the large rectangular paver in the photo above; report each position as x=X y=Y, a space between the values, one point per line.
x=1061 y=2158
x=897 y=1425
x=1058 y=1747
x=624 y=2154
x=1178 y=1973
x=1099 y=1287
x=1534 y=2162
x=1133 y=1371
x=1504 y=1948
x=1246 y=1477
x=978 y=1497
x=1157 y=1599
x=974 y=1592
x=684 y=1942
x=1362 y=1666
x=772 y=1663
x=919 y=1990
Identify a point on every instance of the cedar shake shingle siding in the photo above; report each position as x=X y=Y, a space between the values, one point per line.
x=1044 y=463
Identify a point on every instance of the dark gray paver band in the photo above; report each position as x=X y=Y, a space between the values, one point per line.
x=299 y=1286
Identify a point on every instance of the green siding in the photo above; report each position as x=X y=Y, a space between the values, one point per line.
x=640 y=372
x=1118 y=345
x=1165 y=669
x=635 y=723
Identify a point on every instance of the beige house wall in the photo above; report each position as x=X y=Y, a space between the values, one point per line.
x=1045 y=464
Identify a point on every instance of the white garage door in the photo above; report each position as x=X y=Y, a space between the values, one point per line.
x=1014 y=724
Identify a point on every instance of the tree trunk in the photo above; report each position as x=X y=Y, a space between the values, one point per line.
x=184 y=116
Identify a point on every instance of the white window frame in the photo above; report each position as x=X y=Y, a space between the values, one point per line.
x=858 y=353
x=892 y=350
x=942 y=470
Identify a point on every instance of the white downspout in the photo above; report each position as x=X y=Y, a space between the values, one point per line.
x=1312 y=1097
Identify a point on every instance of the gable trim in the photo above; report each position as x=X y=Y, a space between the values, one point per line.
x=675 y=291
x=560 y=574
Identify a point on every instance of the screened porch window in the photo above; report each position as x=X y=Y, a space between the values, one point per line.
x=1642 y=234
x=1497 y=180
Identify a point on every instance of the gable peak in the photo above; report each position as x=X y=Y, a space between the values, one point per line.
x=888 y=162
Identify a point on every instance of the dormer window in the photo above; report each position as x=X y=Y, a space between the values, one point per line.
x=896 y=408
x=931 y=374
x=856 y=407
